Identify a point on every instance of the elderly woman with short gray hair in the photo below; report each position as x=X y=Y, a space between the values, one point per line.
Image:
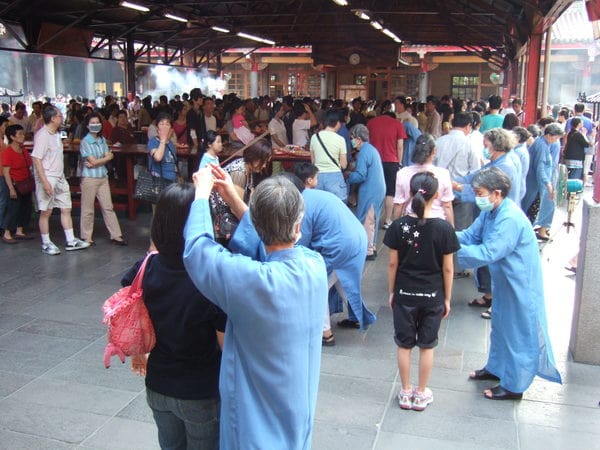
x=502 y=238
x=368 y=175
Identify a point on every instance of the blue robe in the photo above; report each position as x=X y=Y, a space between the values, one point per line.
x=412 y=133
x=272 y=352
x=542 y=159
x=507 y=163
x=330 y=228
x=368 y=174
x=519 y=345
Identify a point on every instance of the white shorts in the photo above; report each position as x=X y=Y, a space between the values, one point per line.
x=61 y=195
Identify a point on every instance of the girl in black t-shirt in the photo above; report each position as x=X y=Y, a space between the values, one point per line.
x=420 y=284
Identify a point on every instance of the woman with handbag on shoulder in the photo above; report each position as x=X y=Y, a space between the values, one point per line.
x=182 y=370
x=19 y=179
x=95 y=154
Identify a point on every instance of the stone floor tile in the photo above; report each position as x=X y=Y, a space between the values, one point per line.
x=11 y=440
x=76 y=396
x=123 y=434
x=12 y=382
x=62 y=424
x=59 y=347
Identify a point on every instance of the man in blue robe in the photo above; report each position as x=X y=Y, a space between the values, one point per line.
x=272 y=351
x=502 y=238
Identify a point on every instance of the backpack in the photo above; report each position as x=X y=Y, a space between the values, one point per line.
x=130 y=330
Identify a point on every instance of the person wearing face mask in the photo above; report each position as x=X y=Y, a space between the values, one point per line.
x=502 y=238
x=498 y=144
x=94 y=183
x=368 y=175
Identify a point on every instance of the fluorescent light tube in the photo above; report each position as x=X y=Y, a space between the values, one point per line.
x=177 y=18
x=256 y=38
x=340 y=2
x=134 y=6
x=376 y=25
x=220 y=30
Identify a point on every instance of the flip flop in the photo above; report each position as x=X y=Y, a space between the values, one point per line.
x=487 y=302
x=482 y=374
x=347 y=323
x=328 y=341
x=541 y=238
x=23 y=237
x=499 y=393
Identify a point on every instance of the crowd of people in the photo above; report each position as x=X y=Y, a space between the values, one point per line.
x=455 y=186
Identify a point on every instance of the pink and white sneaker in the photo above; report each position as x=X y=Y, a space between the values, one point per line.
x=422 y=399
x=405 y=398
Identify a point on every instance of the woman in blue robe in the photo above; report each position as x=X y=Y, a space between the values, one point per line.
x=502 y=238
x=272 y=352
x=368 y=175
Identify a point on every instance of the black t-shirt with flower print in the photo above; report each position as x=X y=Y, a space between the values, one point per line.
x=421 y=249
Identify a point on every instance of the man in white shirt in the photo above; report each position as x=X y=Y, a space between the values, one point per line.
x=52 y=189
x=402 y=113
x=454 y=152
x=304 y=120
x=208 y=108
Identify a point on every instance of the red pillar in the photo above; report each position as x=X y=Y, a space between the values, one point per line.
x=532 y=77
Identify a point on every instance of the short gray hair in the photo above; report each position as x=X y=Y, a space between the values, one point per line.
x=276 y=207
x=553 y=129
x=492 y=179
x=501 y=139
x=360 y=131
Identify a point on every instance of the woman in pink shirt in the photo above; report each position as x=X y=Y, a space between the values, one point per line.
x=423 y=162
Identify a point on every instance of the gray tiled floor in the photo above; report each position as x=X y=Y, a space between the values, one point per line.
x=55 y=393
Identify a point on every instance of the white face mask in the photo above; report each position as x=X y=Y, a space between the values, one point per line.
x=95 y=127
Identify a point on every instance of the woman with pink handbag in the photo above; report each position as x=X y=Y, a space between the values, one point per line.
x=182 y=370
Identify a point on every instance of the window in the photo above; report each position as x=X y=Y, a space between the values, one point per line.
x=236 y=83
x=360 y=79
x=465 y=86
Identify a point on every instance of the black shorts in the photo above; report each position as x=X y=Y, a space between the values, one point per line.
x=417 y=325
x=390 y=170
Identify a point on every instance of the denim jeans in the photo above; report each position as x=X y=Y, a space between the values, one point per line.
x=185 y=424
x=333 y=182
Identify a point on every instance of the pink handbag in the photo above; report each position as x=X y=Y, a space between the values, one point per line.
x=130 y=330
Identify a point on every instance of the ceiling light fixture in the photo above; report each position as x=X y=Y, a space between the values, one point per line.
x=134 y=6
x=376 y=25
x=340 y=2
x=177 y=18
x=362 y=14
x=256 y=38
x=220 y=29
x=391 y=35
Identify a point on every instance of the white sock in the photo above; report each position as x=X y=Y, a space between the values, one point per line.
x=69 y=235
x=46 y=239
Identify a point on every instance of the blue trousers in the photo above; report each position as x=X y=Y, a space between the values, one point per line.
x=4 y=197
x=185 y=424
x=546 y=212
